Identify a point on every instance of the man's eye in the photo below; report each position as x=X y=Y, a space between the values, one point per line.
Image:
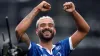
x=50 y=25
x=42 y=25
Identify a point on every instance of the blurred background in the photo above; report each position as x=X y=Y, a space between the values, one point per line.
x=16 y=10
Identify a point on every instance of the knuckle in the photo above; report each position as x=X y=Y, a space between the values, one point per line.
x=44 y=2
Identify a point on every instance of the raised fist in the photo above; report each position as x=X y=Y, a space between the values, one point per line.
x=69 y=6
x=44 y=6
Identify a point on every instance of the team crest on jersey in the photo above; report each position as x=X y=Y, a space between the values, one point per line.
x=58 y=54
x=58 y=47
x=44 y=55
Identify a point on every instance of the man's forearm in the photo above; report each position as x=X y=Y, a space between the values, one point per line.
x=26 y=22
x=82 y=26
x=80 y=22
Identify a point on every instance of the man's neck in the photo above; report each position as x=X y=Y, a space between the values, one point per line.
x=47 y=45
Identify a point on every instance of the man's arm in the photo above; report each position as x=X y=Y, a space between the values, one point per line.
x=26 y=22
x=82 y=26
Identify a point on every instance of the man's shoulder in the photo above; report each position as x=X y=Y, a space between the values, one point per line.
x=61 y=41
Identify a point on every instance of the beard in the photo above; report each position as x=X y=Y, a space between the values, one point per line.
x=45 y=38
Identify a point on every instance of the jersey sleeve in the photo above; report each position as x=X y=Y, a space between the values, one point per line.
x=67 y=44
x=32 y=49
x=70 y=44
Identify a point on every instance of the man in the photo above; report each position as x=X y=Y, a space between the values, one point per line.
x=45 y=29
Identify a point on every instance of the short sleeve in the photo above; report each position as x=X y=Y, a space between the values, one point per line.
x=30 y=46
x=67 y=44
x=32 y=49
x=70 y=43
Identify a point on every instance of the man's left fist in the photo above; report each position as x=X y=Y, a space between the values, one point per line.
x=69 y=6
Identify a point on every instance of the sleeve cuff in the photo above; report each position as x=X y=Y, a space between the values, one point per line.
x=70 y=44
x=29 y=46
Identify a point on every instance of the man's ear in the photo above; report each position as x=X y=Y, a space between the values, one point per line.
x=54 y=31
x=36 y=31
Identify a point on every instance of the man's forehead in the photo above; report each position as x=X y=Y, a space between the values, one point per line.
x=46 y=21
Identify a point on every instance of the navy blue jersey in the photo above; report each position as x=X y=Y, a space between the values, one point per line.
x=62 y=48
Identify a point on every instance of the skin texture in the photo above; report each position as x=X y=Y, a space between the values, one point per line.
x=80 y=33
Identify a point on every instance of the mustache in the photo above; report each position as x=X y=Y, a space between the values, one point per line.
x=46 y=30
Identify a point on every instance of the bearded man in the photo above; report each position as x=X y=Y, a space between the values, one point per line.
x=45 y=30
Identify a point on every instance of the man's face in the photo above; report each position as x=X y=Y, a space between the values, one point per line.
x=46 y=30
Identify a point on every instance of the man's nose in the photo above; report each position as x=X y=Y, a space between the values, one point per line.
x=46 y=26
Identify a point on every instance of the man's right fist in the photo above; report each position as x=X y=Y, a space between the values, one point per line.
x=44 y=6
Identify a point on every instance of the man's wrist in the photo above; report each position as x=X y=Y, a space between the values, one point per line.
x=38 y=9
x=73 y=12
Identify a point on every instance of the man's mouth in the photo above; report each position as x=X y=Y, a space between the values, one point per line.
x=47 y=34
x=46 y=31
